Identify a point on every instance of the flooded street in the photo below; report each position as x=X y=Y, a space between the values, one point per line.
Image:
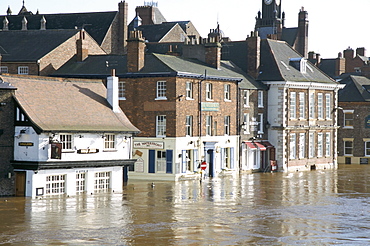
x=329 y=207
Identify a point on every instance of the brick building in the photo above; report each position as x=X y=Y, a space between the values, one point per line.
x=354 y=120
x=51 y=49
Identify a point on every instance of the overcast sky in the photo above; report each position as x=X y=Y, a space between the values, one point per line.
x=333 y=25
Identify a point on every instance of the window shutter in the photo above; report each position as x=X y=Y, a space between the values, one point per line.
x=151 y=161
x=231 y=158
x=169 y=154
x=195 y=160
x=183 y=159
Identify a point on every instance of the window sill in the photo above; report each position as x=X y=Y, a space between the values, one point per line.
x=110 y=150
x=227 y=100
x=348 y=127
x=160 y=98
x=209 y=100
x=190 y=98
x=122 y=98
x=68 y=151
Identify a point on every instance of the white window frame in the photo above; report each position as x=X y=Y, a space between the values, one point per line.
x=328 y=106
x=346 y=120
x=260 y=98
x=302 y=145
x=67 y=141
x=312 y=105
x=208 y=125
x=348 y=150
x=311 y=145
x=80 y=182
x=189 y=160
x=293 y=105
x=227 y=96
x=260 y=123
x=23 y=70
x=102 y=181
x=246 y=94
x=189 y=125
x=161 y=125
x=292 y=146
x=122 y=90
x=320 y=146
x=109 y=141
x=367 y=148
x=161 y=90
x=160 y=161
x=4 y=69
x=55 y=184
x=320 y=106
x=227 y=125
x=302 y=105
x=327 y=144
x=209 y=94
x=189 y=90
x=246 y=121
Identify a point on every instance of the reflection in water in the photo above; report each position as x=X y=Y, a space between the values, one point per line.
x=311 y=208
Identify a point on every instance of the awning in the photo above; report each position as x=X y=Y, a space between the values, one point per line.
x=251 y=145
x=260 y=146
x=267 y=144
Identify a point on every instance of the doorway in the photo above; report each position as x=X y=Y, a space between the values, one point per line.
x=20 y=183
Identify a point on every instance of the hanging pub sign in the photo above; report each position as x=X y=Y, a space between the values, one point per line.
x=367 y=122
x=27 y=144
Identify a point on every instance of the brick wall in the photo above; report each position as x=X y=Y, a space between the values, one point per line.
x=6 y=142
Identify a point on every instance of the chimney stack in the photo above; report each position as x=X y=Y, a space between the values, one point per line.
x=254 y=54
x=112 y=91
x=360 y=51
x=135 y=52
x=302 y=44
x=123 y=27
x=82 y=51
x=213 y=54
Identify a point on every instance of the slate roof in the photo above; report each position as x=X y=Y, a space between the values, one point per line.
x=67 y=105
x=16 y=45
x=156 y=65
x=357 y=89
x=154 y=33
x=96 y=24
x=289 y=35
x=277 y=65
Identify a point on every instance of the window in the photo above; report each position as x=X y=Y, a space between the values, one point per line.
x=260 y=123
x=3 y=69
x=311 y=145
x=161 y=90
x=20 y=116
x=22 y=70
x=302 y=145
x=319 y=145
x=245 y=124
x=189 y=90
x=348 y=147
x=312 y=106
x=66 y=140
x=327 y=106
x=292 y=146
x=80 y=182
x=367 y=148
x=227 y=125
x=246 y=98
x=293 y=106
x=327 y=144
x=302 y=105
x=320 y=106
x=55 y=184
x=348 y=118
x=161 y=126
x=260 y=99
x=208 y=125
x=209 y=95
x=102 y=180
x=189 y=125
x=227 y=92
x=109 y=141
x=122 y=90
x=161 y=161
x=226 y=158
x=189 y=162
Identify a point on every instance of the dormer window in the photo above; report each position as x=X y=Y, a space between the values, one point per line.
x=299 y=64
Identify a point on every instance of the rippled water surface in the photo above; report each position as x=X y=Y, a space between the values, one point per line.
x=330 y=207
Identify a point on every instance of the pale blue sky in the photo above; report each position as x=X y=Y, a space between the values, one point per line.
x=334 y=25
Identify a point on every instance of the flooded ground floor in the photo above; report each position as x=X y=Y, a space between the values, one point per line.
x=322 y=207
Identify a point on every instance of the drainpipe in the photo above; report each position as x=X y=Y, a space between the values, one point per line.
x=200 y=110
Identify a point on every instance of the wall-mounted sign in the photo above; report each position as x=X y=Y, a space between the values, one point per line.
x=139 y=165
x=87 y=151
x=149 y=145
x=367 y=122
x=210 y=106
x=28 y=144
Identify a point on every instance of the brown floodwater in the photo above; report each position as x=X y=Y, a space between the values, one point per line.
x=322 y=207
